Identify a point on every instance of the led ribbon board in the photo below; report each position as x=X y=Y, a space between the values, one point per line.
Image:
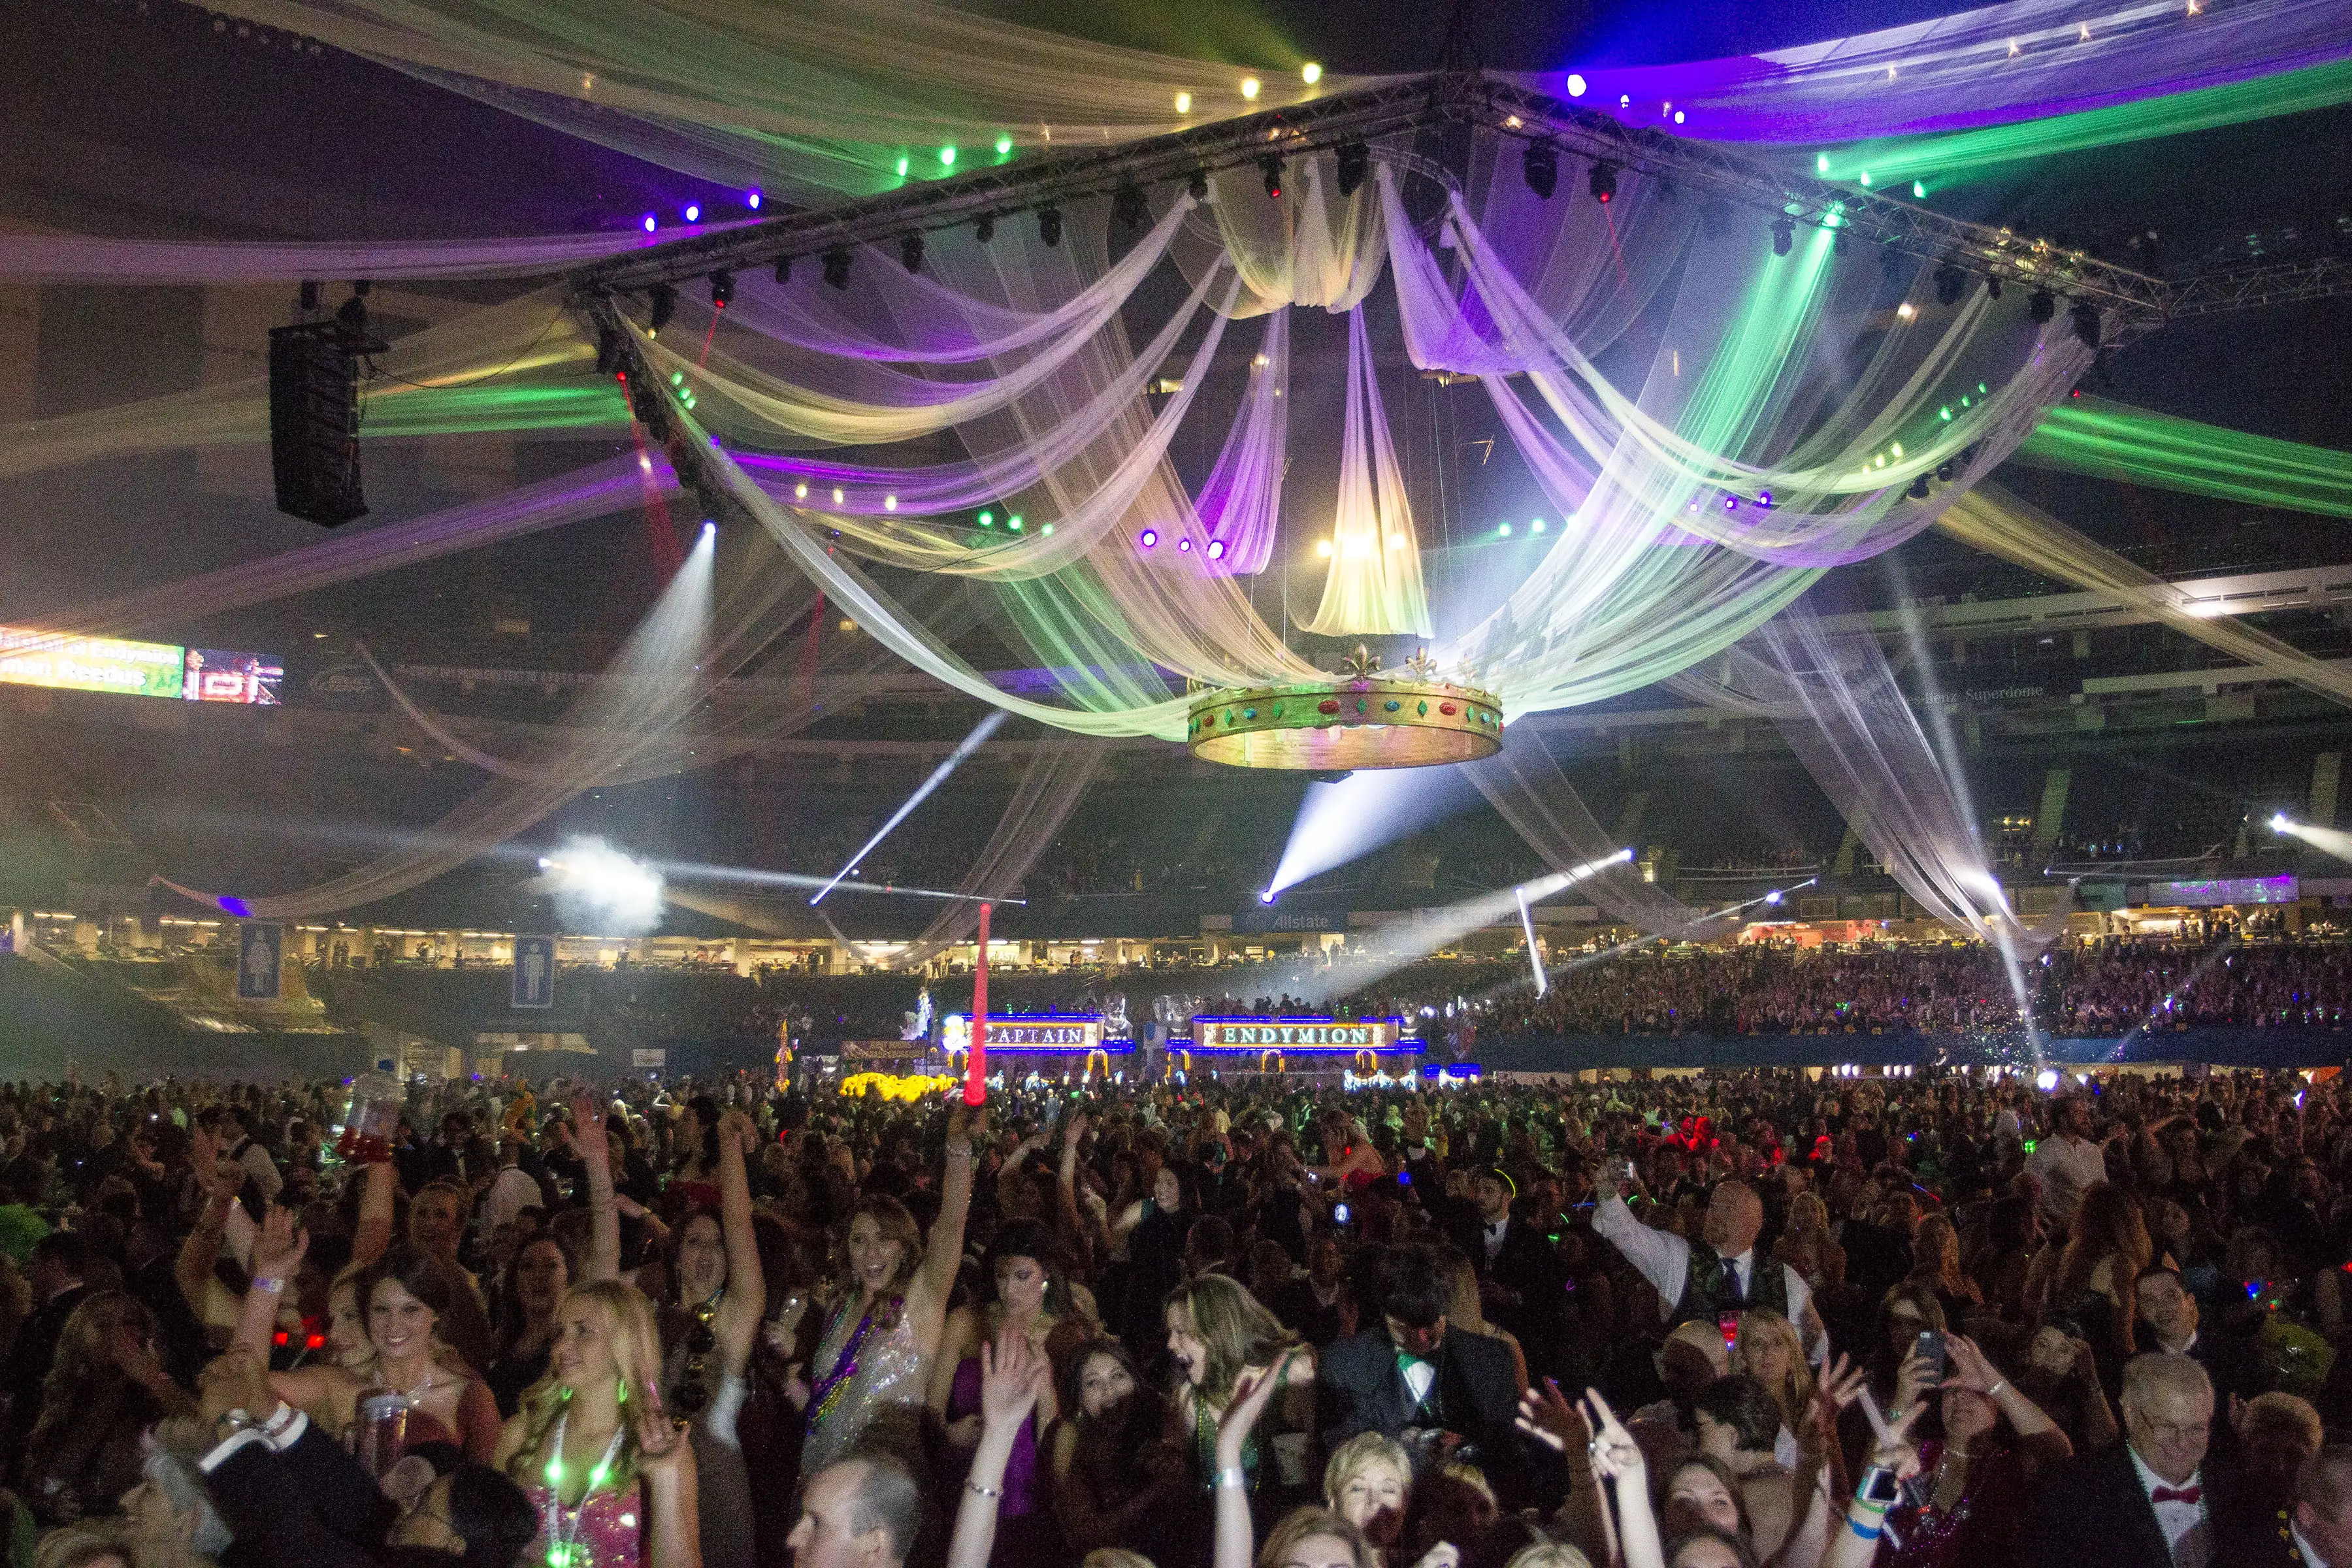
x=1302 y=1036
x=1031 y=1034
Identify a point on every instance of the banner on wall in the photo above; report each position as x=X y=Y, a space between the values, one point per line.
x=534 y=972
x=260 y=954
x=1310 y=1035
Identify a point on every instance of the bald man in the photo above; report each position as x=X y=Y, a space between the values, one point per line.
x=1720 y=1273
x=2151 y=1501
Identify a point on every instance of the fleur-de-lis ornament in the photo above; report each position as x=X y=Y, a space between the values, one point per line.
x=1360 y=665
x=1421 y=667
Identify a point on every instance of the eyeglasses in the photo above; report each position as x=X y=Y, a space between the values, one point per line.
x=2170 y=1431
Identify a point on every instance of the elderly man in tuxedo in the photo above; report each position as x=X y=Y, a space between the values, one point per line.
x=2151 y=1502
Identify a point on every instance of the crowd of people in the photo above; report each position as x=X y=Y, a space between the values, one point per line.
x=1712 y=1322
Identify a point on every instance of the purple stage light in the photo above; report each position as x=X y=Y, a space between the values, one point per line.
x=1149 y=537
x=650 y=223
x=1764 y=499
x=1216 y=550
x=1731 y=503
x=1266 y=897
x=1184 y=546
x=236 y=907
x=693 y=213
x=752 y=200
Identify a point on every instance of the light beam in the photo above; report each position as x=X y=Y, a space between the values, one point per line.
x=964 y=747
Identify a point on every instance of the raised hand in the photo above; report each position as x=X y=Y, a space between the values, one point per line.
x=1615 y=1455
x=277 y=1251
x=1241 y=1413
x=1073 y=1132
x=1012 y=1378
x=588 y=1114
x=1841 y=1382
x=1968 y=1367
x=664 y=1455
x=1550 y=1419
x=737 y=1125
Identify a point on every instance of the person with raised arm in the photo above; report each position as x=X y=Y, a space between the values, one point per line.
x=1307 y=1537
x=1013 y=1375
x=707 y=1333
x=875 y=1351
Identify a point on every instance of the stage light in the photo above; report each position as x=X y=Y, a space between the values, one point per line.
x=910 y=252
x=1004 y=146
x=752 y=200
x=1216 y=550
x=1047 y=531
x=1603 y=182
x=2087 y=326
x=1266 y=897
x=722 y=289
x=1536 y=526
x=1905 y=312
x=1944 y=472
x=1310 y=73
x=1270 y=165
x=649 y=223
x=1128 y=209
x=2278 y=822
x=1540 y=165
x=1773 y=897
x=1575 y=85
x=1323 y=548
x=1354 y=161
x=1049 y=224
x=1197 y=187
x=1184 y=547
x=988 y=520
x=661 y=299
x=693 y=213
x=1784 y=235
x=1148 y=538
x=708 y=528
x=903 y=166
x=1764 y=499
x=800 y=490
x=1503 y=531
x=1866 y=179
x=2042 y=306
x=985 y=229
x=1949 y=281
x=1919 y=491
x=836 y=266
x=1993 y=286
x=783 y=269
x=1013 y=522
x=1183 y=103
x=1249 y=89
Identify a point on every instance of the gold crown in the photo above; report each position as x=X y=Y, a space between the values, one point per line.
x=1358 y=719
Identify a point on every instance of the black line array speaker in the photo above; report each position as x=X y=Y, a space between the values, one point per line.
x=314 y=422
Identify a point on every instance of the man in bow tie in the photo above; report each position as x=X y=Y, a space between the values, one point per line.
x=2151 y=1502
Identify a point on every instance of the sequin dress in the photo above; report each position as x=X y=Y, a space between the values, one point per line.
x=603 y=1532
x=889 y=1372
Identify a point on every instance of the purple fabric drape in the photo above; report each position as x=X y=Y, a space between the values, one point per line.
x=1991 y=66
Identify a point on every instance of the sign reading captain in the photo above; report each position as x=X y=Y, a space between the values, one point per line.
x=1295 y=1034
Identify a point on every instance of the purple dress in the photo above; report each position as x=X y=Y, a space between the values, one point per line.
x=1020 y=1469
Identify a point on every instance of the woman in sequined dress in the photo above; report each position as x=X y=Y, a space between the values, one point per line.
x=610 y=1473
x=874 y=1358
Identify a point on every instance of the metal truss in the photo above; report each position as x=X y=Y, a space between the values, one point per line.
x=1397 y=112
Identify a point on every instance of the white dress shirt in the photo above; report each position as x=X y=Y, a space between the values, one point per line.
x=2067 y=1165
x=1663 y=1259
x=1418 y=1377
x=2187 y=1529
x=1495 y=1232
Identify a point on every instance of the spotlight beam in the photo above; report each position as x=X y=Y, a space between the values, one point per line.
x=1535 y=959
x=2328 y=841
x=964 y=747
x=755 y=876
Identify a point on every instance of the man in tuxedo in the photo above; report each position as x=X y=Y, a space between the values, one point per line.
x=2170 y=1313
x=2151 y=1502
x=2314 y=1530
x=1520 y=1278
x=1411 y=1379
x=54 y=1271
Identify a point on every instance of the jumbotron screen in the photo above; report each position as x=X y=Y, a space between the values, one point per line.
x=64 y=663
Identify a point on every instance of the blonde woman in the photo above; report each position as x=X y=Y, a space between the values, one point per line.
x=1369 y=1483
x=611 y=1476
x=1219 y=1337
x=1769 y=1352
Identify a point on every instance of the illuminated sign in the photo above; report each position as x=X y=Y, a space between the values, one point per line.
x=88 y=664
x=215 y=676
x=1045 y=1034
x=2279 y=889
x=29 y=657
x=1311 y=1036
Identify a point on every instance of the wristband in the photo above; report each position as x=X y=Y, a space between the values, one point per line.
x=1994 y=1392
x=1233 y=1476
x=978 y=1490
x=1868 y=1506
x=1872 y=1533
x=266 y=1286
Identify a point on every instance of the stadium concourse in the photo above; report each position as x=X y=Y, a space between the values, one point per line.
x=995 y=784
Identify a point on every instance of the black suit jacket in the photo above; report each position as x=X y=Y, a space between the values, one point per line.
x=2090 y=1512
x=313 y=1506
x=1359 y=1388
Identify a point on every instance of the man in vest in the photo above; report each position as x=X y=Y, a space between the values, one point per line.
x=1718 y=1274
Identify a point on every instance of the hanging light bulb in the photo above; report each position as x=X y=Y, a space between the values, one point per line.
x=1049 y=224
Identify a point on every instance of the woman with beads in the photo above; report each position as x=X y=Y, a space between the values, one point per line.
x=708 y=1330
x=612 y=1477
x=874 y=1357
